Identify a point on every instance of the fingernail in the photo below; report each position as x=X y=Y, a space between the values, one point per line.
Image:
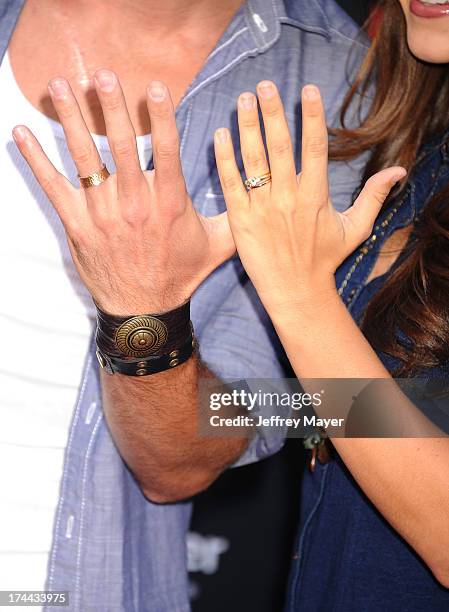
x=105 y=80
x=310 y=92
x=58 y=88
x=157 y=91
x=221 y=135
x=247 y=101
x=19 y=133
x=266 y=89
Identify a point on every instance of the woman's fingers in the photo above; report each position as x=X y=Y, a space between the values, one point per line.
x=165 y=139
x=251 y=142
x=366 y=208
x=315 y=148
x=120 y=131
x=279 y=144
x=231 y=182
x=58 y=189
x=79 y=141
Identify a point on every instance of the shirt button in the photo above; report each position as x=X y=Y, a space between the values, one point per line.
x=90 y=413
x=260 y=23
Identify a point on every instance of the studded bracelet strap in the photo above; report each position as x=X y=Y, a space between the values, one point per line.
x=137 y=345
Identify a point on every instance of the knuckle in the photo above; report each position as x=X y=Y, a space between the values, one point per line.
x=123 y=147
x=111 y=103
x=371 y=183
x=82 y=153
x=66 y=111
x=225 y=155
x=273 y=111
x=135 y=214
x=161 y=112
x=282 y=148
x=168 y=149
x=250 y=123
x=314 y=199
x=230 y=183
x=132 y=177
x=313 y=110
x=316 y=146
x=105 y=221
x=52 y=187
x=379 y=196
x=255 y=159
x=313 y=113
x=287 y=203
x=377 y=192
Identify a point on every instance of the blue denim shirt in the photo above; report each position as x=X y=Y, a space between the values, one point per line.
x=347 y=557
x=112 y=549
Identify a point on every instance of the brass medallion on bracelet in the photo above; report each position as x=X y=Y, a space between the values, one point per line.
x=140 y=345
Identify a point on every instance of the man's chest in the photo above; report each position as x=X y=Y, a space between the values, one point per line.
x=76 y=49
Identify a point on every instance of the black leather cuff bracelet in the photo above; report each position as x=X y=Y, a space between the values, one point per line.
x=144 y=344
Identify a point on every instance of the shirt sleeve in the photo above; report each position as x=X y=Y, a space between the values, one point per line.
x=239 y=343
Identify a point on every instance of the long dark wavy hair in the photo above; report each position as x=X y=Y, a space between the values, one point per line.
x=410 y=105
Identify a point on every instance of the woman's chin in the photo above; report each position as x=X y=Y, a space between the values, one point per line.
x=436 y=53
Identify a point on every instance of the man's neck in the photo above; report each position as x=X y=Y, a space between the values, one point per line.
x=166 y=13
x=141 y=40
x=156 y=16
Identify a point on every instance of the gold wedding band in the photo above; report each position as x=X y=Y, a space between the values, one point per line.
x=254 y=182
x=94 y=179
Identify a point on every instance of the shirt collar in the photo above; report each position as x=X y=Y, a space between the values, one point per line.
x=264 y=18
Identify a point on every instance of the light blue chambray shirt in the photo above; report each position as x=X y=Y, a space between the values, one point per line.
x=112 y=549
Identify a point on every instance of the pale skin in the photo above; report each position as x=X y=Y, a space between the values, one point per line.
x=137 y=242
x=291 y=241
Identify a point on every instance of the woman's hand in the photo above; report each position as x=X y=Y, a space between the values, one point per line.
x=289 y=237
x=136 y=239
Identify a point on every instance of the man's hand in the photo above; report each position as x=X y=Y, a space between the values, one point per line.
x=136 y=239
x=140 y=247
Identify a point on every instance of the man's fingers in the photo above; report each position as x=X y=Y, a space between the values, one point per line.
x=79 y=141
x=277 y=133
x=231 y=182
x=58 y=189
x=251 y=142
x=367 y=207
x=315 y=147
x=165 y=139
x=120 y=131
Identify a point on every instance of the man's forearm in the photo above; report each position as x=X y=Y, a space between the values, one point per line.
x=137 y=254
x=154 y=422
